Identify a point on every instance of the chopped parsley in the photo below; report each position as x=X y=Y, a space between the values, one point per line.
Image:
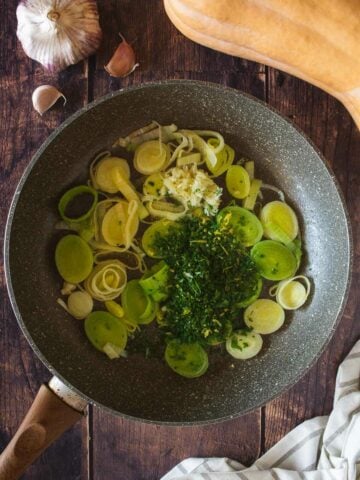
x=212 y=274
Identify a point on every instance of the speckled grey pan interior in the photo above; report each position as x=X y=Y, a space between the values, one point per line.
x=146 y=388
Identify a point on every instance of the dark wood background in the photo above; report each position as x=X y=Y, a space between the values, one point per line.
x=104 y=447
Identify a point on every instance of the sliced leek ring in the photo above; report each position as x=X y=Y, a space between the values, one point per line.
x=132 y=223
x=214 y=135
x=237 y=181
x=120 y=223
x=166 y=210
x=138 y=306
x=106 y=281
x=243 y=344
x=189 y=360
x=103 y=177
x=124 y=186
x=274 y=260
x=291 y=294
x=245 y=303
x=112 y=227
x=155 y=282
x=250 y=201
x=158 y=228
x=225 y=157
x=69 y=198
x=188 y=159
x=80 y=304
x=103 y=329
x=250 y=168
x=264 y=316
x=151 y=157
x=114 y=308
x=242 y=223
x=73 y=258
x=207 y=152
x=153 y=185
x=279 y=221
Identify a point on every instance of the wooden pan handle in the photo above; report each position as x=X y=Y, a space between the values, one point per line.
x=49 y=416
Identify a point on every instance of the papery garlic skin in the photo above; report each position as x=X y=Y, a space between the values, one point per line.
x=44 y=97
x=58 y=33
x=122 y=63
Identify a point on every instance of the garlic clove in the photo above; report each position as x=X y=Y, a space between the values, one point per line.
x=122 y=63
x=44 y=97
x=58 y=33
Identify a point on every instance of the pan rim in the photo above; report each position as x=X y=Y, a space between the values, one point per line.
x=26 y=174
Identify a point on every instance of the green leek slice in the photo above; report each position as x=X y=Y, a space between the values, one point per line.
x=159 y=228
x=138 y=306
x=189 y=360
x=237 y=181
x=155 y=282
x=243 y=344
x=73 y=259
x=73 y=196
x=102 y=328
x=151 y=157
x=274 y=260
x=244 y=224
x=264 y=316
x=279 y=222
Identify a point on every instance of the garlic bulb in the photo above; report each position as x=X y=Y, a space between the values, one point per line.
x=44 y=97
x=58 y=33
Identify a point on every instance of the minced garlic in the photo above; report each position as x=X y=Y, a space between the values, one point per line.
x=193 y=188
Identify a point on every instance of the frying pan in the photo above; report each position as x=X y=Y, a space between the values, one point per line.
x=145 y=388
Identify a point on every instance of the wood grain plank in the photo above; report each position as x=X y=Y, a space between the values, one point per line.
x=333 y=132
x=22 y=131
x=163 y=53
x=145 y=452
x=141 y=451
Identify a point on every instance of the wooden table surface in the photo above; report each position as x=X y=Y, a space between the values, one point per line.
x=104 y=447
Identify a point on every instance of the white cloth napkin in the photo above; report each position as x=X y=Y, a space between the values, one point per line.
x=323 y=448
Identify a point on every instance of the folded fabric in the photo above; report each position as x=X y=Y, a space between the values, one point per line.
x=323 y=448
